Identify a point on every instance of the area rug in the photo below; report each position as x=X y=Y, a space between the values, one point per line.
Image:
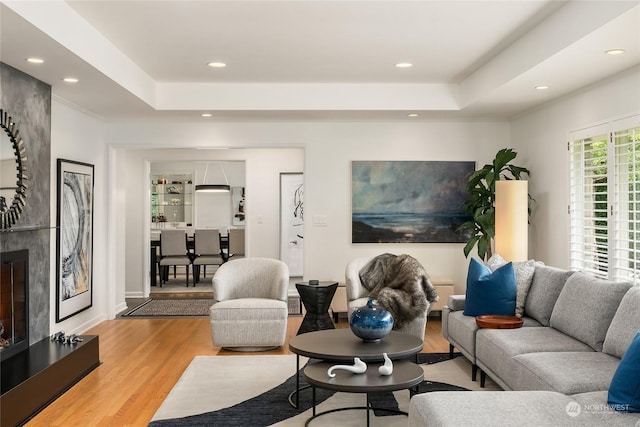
x=253 y=391
x=167 y=307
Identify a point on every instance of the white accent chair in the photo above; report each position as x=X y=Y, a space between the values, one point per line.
x=358 y=295
x=250 y=313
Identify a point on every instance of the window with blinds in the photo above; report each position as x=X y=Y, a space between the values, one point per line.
x=605 y=201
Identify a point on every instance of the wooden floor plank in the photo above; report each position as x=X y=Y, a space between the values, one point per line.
x=142 y=359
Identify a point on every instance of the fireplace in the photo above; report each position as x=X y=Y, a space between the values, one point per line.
x=14 y=303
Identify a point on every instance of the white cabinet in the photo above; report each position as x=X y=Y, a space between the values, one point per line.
x=444 y=286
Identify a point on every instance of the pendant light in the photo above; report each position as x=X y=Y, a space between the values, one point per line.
x=213 y=188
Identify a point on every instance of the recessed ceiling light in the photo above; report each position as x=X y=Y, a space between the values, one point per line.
x=413 y=115
x=542 y=87
x=70 y=80
x=35 y=60
x=217 y=64
x=614 y=51
x=404 y=65
x=206 y=114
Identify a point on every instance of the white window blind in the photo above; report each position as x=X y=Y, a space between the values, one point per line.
x=605 y=204
x=626 y=209
x=589 y=207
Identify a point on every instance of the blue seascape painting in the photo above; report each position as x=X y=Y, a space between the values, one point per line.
x=409 y=201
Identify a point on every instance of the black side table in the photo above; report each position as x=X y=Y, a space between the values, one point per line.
x=316 y=300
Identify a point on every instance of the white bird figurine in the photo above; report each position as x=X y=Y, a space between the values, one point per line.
x=359 y=367
x=387 y=368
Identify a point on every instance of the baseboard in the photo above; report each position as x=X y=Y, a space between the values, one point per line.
x=121 y=307
x=134 y=295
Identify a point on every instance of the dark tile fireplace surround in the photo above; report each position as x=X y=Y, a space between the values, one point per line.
x=14 y=303
x=34 y=369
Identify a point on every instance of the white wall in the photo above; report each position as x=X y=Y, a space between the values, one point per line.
x=329 y=149
x=540 y=138
x=80 y=137
x=262 y=173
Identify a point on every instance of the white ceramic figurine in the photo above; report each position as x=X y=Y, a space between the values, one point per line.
x=387 y=368
x=359 y=367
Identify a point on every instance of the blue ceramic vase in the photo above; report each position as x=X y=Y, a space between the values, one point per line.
x=371 y=323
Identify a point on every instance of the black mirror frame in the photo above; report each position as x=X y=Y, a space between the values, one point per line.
x=10 y=216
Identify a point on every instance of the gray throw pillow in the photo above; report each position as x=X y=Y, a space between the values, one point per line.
x=524 y=276
x=586 y=306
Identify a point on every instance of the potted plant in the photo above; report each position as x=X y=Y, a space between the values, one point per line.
x=480 y=205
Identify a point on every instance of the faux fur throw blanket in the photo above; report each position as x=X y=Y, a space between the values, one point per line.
x=400 y=284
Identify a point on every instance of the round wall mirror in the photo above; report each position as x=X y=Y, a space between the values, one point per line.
x=12 y=172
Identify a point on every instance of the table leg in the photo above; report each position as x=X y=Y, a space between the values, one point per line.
x=154 y=266
x=297 y=381
x=314 y=401
x=368 y=408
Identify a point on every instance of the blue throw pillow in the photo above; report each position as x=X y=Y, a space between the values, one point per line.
x=490 y=292
x=624 y=391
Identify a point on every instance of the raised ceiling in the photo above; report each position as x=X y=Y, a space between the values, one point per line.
x=318 y=60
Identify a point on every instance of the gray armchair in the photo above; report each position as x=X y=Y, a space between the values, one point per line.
x=358 y=295
x=250 y=313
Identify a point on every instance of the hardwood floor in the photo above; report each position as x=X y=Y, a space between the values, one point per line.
x=142 y=359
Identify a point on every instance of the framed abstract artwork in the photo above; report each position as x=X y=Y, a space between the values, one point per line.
x=409 y=201
x=74 y=280
x=237 y=206
x=292 y=221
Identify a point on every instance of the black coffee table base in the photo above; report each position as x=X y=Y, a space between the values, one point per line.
x=405 y=376
x=367 y=408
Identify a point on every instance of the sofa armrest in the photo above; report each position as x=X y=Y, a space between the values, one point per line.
x=456 y=302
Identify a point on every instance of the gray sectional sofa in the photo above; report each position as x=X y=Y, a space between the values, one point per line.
x=576 y=330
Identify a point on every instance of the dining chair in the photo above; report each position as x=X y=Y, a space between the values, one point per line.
x=206 y=251
x=173 y=251
x=236 y=243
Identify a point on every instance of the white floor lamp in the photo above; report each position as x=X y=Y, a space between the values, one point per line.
x=512 y=220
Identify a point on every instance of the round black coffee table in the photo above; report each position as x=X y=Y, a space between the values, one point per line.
x=341 y=345
x=405 y=375
x=338 y=345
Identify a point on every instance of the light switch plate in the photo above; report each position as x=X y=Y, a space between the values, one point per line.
x=320 y=220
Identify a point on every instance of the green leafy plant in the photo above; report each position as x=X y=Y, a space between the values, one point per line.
x=481 y=186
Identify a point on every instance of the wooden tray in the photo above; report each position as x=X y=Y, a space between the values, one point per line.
x=495 y=321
